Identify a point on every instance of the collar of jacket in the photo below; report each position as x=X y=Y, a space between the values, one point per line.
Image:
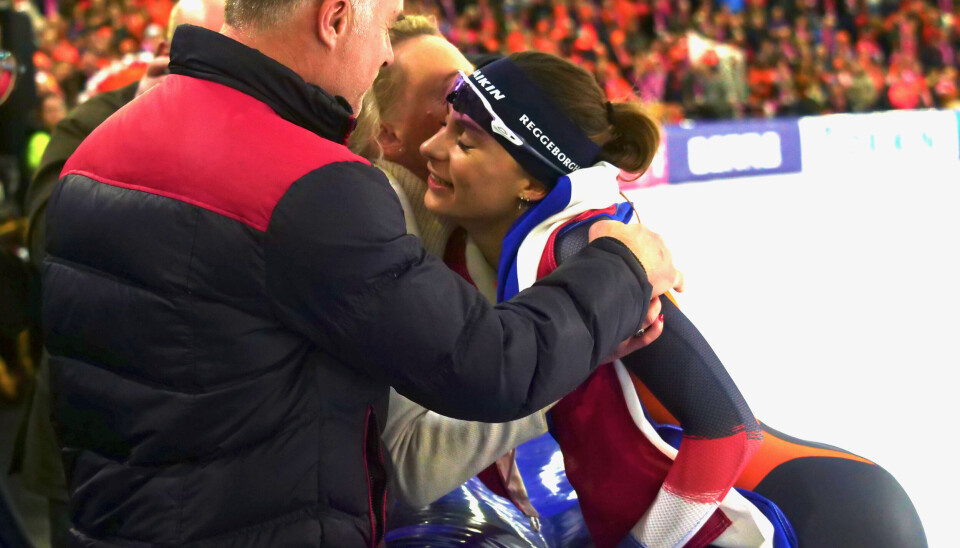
x=202 y=53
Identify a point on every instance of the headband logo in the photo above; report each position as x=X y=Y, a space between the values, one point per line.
x=488 y=86
x=548 y=143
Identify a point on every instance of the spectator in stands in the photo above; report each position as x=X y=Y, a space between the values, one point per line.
x=945 y=88
x=717 y=93
x=16 y=41
x=862 y=93
x=52 y=110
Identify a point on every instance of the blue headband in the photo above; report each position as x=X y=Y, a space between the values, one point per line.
x=524 y=121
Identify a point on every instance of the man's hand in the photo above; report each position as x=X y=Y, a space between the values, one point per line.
x=157 y=70
x=652 y=328
x=648 y=247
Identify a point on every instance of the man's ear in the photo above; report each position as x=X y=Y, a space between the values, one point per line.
x=332 y=19
x=389 y=140
x=163 y=49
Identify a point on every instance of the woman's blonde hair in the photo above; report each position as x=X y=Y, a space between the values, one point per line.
x=387 y=88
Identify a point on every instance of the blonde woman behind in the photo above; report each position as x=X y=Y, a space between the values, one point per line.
x=433 y=454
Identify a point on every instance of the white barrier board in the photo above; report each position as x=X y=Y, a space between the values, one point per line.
x=834 y=301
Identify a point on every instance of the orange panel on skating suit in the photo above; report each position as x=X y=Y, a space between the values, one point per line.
x=774 y=451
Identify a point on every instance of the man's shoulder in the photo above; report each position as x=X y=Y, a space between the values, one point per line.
x=99 y=107
x=82 y=120
x=351 y=199
x=351 y=178
x=208 y=145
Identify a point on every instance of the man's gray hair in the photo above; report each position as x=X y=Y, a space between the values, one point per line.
x=363 y=13
x=264 y=14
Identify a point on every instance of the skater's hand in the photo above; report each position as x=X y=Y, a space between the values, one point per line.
x=652 y=328
x=648 y=247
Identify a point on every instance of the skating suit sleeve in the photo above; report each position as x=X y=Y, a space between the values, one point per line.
x=627 y=482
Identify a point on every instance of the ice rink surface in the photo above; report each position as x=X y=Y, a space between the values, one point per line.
x=833 y=299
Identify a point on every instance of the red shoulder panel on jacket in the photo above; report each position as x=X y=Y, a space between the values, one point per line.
x=205 y=144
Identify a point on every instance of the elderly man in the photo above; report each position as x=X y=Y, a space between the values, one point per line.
x=229 y=293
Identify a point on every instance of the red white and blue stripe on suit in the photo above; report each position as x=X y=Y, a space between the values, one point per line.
x=634 y=488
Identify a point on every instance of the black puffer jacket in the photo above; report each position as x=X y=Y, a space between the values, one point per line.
x=228 y=295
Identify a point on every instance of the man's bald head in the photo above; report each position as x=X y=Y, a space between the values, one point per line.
x=202 y=13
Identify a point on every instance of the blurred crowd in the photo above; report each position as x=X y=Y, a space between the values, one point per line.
x=64 y=52
x=76 y=40
x=685 y=59
x=697 y=58
x=733 y=58
x=751 y=57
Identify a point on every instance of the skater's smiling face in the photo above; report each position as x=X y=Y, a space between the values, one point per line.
x=472 y=178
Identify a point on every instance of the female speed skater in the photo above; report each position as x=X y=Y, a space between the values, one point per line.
x=826 y=496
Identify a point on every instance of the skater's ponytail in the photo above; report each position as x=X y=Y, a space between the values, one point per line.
x=628 y=137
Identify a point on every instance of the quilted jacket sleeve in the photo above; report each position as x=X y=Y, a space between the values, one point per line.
x=341 y=269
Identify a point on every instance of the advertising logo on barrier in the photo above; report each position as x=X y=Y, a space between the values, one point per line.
x=704 y=151
x=879 y=139
x=656 y=174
